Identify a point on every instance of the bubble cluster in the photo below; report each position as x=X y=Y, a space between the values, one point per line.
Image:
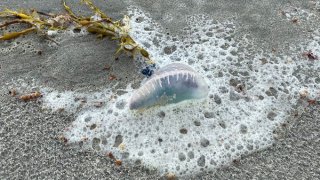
x=295 y=14
x=21 y=46
x=250 y=96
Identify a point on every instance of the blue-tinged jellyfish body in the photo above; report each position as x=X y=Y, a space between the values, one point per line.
x=171 y=84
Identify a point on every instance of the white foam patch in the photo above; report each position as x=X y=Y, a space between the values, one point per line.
x=293 y=13
x=73 y=102
x=250 y=96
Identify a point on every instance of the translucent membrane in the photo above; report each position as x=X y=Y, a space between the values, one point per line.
x=171 y=84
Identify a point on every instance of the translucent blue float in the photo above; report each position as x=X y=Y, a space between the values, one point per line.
x=171 y=84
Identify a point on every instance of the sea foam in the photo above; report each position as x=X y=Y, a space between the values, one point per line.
x=251 y=94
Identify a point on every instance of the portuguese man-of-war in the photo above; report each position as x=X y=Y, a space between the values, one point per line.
x=173 y=83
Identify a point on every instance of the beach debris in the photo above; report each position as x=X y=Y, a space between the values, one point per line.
x=12 y=92
x=171 y=176
x=63 y=139
x=313 y=102
x=111 y=156
x=310 y=55
x=112 y=77
x=31 y=96
x=117 y=162
x=107 y=67
x=295 y=20
x=48 y=25
x=98 y=104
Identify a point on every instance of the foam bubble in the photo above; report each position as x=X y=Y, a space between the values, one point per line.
x=296 y=14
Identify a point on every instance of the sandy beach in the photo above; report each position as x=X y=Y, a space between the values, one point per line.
x=29 y=143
